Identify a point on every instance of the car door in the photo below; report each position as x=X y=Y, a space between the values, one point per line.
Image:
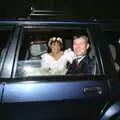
x=36 y=96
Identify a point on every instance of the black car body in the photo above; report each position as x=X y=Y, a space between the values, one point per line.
x=41 y=97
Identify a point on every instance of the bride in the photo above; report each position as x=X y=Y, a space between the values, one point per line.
x=56 y=60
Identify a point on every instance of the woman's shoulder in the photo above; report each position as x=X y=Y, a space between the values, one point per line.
x=45 y=55
x=69 y=55
x=69 y=52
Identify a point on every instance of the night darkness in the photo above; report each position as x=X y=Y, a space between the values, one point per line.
x=107 y=9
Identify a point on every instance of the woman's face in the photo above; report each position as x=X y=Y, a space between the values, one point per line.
x=55 y=47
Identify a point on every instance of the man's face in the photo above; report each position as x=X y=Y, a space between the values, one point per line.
x=80 y=46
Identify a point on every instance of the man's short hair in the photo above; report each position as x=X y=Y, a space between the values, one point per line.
x=82 y=36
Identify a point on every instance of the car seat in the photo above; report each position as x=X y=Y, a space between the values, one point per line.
x=92 y=55
x=36 y=50
x=113 y=53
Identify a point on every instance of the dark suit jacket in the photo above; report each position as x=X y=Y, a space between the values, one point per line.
x=86 y=66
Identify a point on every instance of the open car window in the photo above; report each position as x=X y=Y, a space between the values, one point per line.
x=35 y=45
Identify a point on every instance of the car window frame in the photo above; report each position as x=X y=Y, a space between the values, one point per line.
x=8 y=41
x=9 y=57
x=47 y=26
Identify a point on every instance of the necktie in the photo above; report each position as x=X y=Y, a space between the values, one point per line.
x=77 y=65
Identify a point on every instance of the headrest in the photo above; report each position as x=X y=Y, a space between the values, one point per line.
x=38 y=49
x=112 y=50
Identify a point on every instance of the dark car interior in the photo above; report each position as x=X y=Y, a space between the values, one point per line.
x=112 y=39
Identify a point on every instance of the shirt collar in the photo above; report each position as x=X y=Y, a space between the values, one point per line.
x=79 y=58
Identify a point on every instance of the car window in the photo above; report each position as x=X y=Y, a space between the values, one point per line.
x=35 y=47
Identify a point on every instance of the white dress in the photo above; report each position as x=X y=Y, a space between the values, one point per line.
x=48 y=62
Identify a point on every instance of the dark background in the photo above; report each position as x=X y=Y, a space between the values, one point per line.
x=100 y=9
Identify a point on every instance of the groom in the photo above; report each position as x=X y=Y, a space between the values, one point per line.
x=82 y=64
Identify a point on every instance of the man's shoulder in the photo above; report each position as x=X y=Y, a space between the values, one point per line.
x=89 y=59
